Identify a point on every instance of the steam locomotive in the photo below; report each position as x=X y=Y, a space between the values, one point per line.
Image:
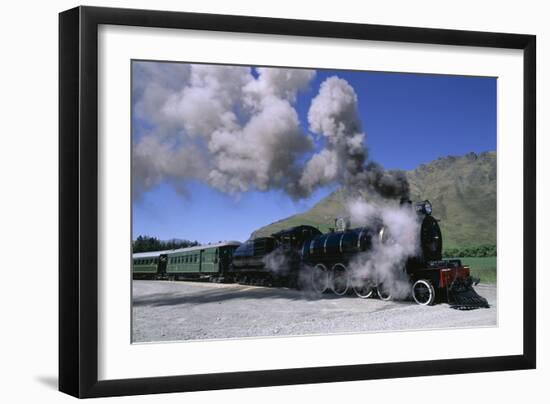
x=302 y=256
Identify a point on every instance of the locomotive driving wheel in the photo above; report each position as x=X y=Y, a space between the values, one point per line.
x=362 y=288
x=320 y=278
x=383 y=292
x=340 y=279
x=423 y=292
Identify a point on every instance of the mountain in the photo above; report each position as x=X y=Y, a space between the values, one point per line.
x=462 y=190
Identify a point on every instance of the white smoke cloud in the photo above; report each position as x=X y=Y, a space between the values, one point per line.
x=280 y=83
x=333 y=112
x=208 y=102
x=236 y=128
x=219 y=124
x=151 y=169
x=263 y=153
x=334 y=115
x=152 y=85
x=384 y=263
x=322 y=169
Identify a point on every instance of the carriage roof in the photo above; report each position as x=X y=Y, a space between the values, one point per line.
x=205 y=246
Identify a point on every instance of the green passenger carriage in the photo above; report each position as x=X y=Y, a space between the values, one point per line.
x=206 y=261
x=209 y=261
x=149 y=265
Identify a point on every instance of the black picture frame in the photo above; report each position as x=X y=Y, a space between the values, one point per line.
x=78 y=200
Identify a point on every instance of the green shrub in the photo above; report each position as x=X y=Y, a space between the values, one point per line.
x=486 y=250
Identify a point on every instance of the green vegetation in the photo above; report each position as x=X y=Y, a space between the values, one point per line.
x=462 y=191
x=463 y=194
x=479 y=251
x=146 y=243
x=484 y=268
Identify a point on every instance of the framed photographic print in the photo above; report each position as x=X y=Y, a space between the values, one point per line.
x=251 y=201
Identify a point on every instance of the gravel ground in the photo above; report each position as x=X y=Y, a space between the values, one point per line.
x=171 y=311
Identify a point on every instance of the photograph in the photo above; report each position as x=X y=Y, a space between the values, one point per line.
x=277 y=201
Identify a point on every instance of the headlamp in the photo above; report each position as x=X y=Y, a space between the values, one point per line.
x=427 y=207
x=424 y=207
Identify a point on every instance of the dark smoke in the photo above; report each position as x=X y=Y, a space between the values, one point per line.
x=238 y=131
x=334 y=115
x=388 y=184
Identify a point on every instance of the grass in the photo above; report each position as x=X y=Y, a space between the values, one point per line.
x=484 y=268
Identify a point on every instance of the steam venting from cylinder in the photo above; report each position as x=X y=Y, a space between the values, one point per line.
x=383 y=264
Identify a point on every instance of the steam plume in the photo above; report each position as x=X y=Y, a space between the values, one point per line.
x=236 y=128
x=383 y=263
x=334 y=115
x=219 y=124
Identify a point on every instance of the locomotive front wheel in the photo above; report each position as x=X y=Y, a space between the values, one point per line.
x=340 y=279
x=320 y=278
x=423 y=292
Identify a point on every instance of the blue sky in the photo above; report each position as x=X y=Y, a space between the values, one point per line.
x=408 y=119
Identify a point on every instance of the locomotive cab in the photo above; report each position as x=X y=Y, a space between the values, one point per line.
x=295 y=237
x=273 y=259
